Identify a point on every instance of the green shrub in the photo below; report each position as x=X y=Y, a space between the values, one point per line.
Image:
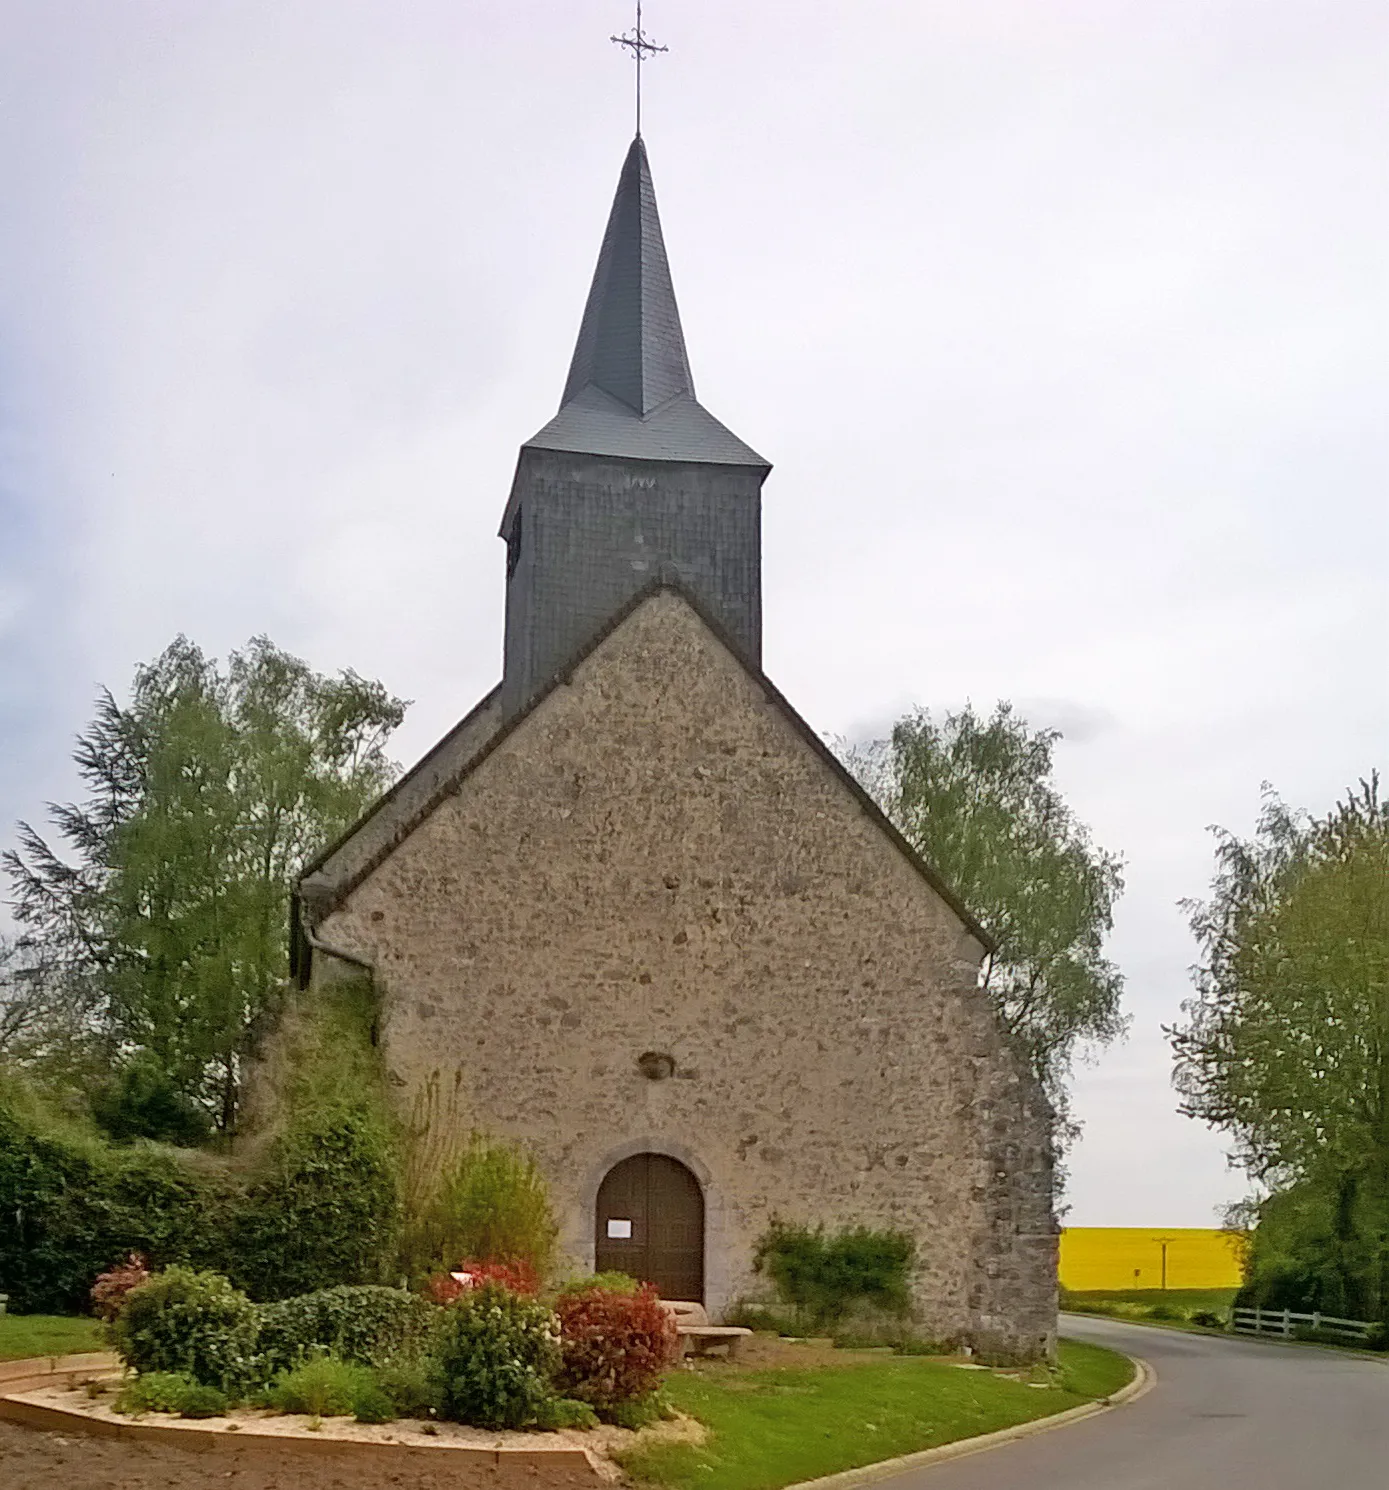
x=324 y=1212
x=565 y=1412
x=913 y=1345
x=1207 y=1320
x=614 y=1346
x=774 y=1319
x=637 y=1412
x=366 y=1324
x=74 y=1205
x=142 y=1101
x=180 y=1203
x=497 y=1353
x=321 y=1207
x=326 y=1387
x=608 y=1282
x=490 y=1203
x=195 y=1324
x=1163 y=1312
x=414 y=1386
x=1318 y=1247
x=822 y=1277
x=324 y=1208
x=374 y=1406
x=169 y=1391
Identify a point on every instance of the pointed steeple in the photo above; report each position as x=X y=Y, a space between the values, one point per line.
x=633 y=481
x=629 y=391
x=630 y=343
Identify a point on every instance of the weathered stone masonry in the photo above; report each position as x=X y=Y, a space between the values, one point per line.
x=655 y=858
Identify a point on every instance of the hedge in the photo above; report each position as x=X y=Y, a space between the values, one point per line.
x=320 y=1207
x=365 y=1326
x=75 y=1206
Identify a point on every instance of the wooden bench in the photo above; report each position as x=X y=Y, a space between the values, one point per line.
x=697 y=1335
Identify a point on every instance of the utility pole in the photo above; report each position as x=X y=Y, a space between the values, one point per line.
x=1163 y=1241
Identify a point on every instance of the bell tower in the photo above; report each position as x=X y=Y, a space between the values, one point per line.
x=633 y=481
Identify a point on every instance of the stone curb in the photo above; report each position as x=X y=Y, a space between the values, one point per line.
x=562 y=1465
x=49 y=1370
x=1145 y=1378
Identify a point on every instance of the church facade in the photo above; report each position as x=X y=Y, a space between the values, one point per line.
x=642 y=921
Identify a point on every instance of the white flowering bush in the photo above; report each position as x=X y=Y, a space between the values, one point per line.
x=195 y=1324
x=497 y=1355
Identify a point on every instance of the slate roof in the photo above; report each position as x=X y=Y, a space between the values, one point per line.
x=630 y=391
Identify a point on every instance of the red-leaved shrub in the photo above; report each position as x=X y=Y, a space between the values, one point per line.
x=515 y=1277
x=614 y=1346
x=111 y=1287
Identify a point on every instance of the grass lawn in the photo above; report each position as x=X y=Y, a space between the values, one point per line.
x=775 y=1427
x=25 y=1335
x=1169 y=1306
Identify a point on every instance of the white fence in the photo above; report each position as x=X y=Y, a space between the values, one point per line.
x=1286 y=1323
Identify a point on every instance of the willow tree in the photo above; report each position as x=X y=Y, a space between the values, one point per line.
x=976 y=797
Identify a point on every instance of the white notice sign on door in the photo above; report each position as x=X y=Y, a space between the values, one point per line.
x=620 y=1230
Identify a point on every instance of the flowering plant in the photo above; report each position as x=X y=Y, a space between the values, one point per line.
x=516 y=1277
x=111 y=1287
x=614 y=1345
x=496 y=1352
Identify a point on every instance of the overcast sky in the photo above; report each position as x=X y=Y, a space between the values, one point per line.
x=1064 y=325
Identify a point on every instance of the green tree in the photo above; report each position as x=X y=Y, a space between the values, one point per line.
x=206 y=793
x=976 y=798
x=1286 y=1044
x=42 y=1017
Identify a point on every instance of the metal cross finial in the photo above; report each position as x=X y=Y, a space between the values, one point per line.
x=640 y=47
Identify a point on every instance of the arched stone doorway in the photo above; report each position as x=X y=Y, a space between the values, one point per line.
x=650 y=1224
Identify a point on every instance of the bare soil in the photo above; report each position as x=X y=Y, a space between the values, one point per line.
x=30 y=1460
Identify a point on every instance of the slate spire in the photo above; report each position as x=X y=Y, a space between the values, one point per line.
x=630 y=343
x=633 y=482
x=629 y=392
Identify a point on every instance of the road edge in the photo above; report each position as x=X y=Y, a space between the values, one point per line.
x=1144 y=1380
x=1349 y=1351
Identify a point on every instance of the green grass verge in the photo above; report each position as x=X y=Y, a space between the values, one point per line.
x=774 y=1428
x=25 y=1335
x=1175 y=1308
x=1187 y=1300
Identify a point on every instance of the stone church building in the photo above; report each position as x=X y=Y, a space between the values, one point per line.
x=648 y=923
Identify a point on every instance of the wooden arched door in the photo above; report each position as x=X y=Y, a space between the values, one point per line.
x=650 y=1217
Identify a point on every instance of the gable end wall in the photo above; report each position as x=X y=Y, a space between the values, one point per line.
x=656 y=860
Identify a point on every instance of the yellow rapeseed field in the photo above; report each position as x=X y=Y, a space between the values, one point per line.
x=1120 y=1257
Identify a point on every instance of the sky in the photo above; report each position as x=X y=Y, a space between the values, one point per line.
x=1064 y=323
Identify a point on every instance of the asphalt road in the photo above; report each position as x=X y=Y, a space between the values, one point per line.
x=1225 y=1414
